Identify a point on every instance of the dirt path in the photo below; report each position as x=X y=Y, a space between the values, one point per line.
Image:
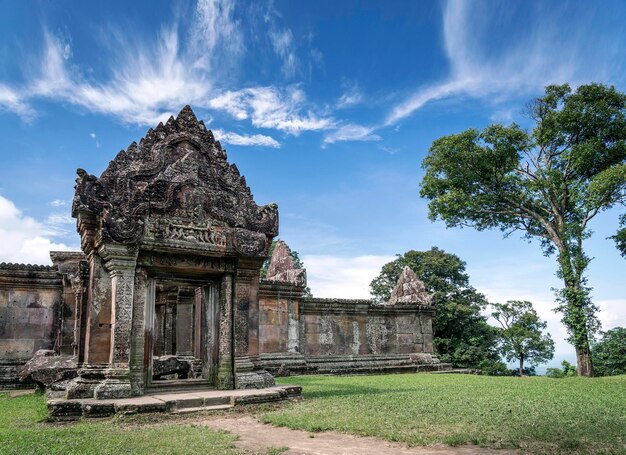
x=255 y=437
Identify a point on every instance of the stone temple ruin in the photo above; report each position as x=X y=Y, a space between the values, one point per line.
x=167 y=291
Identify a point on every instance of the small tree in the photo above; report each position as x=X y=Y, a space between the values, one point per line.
x=521 y=336
x=609 y=354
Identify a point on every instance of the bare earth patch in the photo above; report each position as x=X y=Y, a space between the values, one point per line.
x=255 y=437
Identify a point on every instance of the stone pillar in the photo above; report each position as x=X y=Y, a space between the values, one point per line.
x=246 y=318
x=138 y=337
x=97 y=343
x=121 y=263
x=225 y=373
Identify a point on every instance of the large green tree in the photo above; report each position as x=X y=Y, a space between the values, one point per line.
x=609 y=353
x=522 y=337
x=462 y=335
x=549 y=183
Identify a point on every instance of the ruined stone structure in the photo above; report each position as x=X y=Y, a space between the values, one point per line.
x=339 y=336
x=166 y=291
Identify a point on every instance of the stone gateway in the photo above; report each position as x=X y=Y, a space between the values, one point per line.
x=166 y=292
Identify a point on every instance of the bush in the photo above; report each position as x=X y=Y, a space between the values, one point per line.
x=567 y=371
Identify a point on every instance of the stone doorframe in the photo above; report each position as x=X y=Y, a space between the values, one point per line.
x=206 y=324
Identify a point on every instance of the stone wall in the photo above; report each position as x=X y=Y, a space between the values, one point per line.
x=339 y=336
x=31 y=310
x=357 y=327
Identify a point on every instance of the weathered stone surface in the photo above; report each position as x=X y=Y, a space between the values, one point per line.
x=410 y=290
x=176 y=187
x=169 y=364
x=282 y=267
x=46 y=368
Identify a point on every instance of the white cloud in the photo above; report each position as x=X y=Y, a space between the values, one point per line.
x=147 y=86
x=250 y=140
x=351 y=97
x=215 y=34
x=11 y=100
x=342 y=277
x=59 y=203
x=23 y=239
x=522 y=63
x=282 y=42
x=351 y=132
x=272 y=107
x=92 y=135
x=152 y=79
x=612 y=313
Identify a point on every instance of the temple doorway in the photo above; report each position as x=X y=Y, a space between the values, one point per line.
x=181 y=332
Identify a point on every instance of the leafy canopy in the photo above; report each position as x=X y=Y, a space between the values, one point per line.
x=549 y=182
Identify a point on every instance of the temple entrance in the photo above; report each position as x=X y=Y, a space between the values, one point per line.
x=181 y=332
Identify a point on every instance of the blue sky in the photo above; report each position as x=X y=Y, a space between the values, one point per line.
x=327 y=108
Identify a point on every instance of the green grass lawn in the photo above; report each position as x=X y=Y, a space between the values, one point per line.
x=538 y=414
x=23 y=431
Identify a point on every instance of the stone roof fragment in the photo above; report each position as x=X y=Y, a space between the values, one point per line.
x=283 y=268
x=410 y=290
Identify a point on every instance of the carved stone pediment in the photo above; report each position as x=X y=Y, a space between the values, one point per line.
x=176 y=188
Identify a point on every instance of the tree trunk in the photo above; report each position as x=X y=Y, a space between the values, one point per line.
x=575 y=316
x=521 y=366
x=584 y=367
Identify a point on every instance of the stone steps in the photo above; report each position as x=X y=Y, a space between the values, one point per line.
x=188 y=401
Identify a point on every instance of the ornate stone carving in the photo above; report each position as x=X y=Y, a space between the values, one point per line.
x=410 y=290
x=177 y=174
x=123 y=284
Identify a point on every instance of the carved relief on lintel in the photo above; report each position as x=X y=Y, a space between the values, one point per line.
x=206 y=264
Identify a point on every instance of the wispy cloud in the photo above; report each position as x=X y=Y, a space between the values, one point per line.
x=148 y=87
x=547 y=50
x=11 y=100
x=215 y=33
x=57 y=203
x=272 y=107
x=350 y=97
x=351 y=132
x=282 y=42
x=246 y=139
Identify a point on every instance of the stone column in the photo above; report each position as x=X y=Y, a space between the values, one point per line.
x=138 y=337
x=246 y=319
x=97 y=342
x=121 y=263
x=225 y=373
